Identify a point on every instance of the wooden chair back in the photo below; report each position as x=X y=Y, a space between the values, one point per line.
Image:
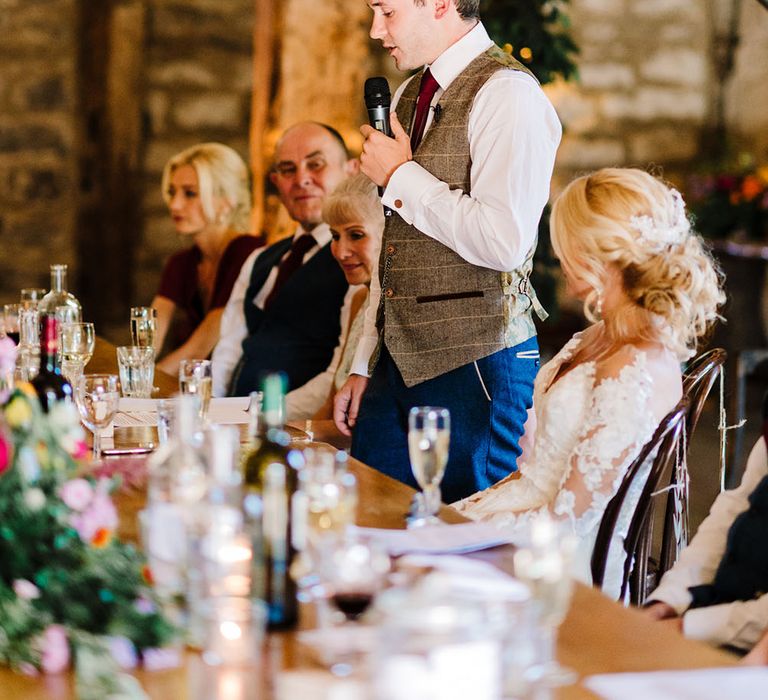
x=661 y=448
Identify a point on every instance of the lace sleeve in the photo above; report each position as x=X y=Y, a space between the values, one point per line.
x=620 y=421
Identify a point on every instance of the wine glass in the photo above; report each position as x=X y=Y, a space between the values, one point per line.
x=11 y=321
x=429 y=433
x=97 y=398
x=76 y=343
x=544 y=565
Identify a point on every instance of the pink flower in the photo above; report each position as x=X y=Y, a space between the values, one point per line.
x=25 y=589
x=55 y=650
x=77 y=494
x=5 y=454
x=123 y=652
x=100 y=514
x=81 y=449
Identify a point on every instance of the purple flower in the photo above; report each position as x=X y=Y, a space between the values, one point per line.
x=144 y=605
x=123 y=652
x=160 y=659
x=77 y=494
x=54 y=649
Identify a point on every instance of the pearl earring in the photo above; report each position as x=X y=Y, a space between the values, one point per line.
x=599 y=304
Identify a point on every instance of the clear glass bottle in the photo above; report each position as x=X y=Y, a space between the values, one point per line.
x=59 y=297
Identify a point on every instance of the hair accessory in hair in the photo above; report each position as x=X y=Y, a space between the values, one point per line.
x=657 y=235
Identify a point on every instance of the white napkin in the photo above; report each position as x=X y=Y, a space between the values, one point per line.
x=437 y=539
x=698 y=684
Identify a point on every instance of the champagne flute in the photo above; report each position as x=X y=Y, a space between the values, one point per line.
x=143 y=326
x=76 y=345
x=195 y=378
x=544 y=565
x=97 y=399
x=429 y=432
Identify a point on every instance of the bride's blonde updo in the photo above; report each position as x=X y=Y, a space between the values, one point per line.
x=627 y=219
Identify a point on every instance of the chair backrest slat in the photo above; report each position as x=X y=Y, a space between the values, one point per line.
x=663 y=444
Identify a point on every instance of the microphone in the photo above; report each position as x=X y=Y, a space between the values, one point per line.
x=377 y=101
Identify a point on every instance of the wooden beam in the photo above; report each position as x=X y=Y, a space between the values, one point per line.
x=264 y=80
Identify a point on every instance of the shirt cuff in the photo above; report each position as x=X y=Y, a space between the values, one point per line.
x=365 y=349
x=709 y=624
x=405 y=189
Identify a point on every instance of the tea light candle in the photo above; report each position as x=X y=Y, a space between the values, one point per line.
x=234 y=631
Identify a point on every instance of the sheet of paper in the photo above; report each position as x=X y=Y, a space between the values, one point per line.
x=437 y=539
x=224 y=411
x=698 y=684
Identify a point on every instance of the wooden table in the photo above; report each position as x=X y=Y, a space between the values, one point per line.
x=598 y=635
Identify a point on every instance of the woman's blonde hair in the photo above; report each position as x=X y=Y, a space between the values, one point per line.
x=354 y=199
x=628 y=219
x=221 y=172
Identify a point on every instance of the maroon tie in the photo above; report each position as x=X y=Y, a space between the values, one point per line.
x=427 y=90
x=290 y=264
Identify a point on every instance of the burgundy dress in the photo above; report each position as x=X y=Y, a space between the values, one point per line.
x=179 y=284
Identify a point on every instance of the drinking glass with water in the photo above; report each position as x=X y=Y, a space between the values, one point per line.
x=137 y=370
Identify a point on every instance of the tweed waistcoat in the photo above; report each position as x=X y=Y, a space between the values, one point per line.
x=439 y=311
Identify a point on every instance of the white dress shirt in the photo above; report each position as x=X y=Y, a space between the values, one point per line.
x=740 y=623
x=303 y=402
x=513 y=133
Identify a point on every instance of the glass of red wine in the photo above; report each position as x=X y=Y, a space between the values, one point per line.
x=355 y=573
x=11 y=321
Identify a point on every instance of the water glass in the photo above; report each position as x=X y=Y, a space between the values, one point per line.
x=143 y=326
x=137 y=370
x=195 y=378
x=28 y=361
x=97 y=398
x=544 y=565
x=429 y=432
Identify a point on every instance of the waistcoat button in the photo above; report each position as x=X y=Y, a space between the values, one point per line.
x=389 y=293
x=390 y=250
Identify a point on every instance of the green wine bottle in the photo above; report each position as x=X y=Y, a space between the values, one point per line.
x=270 y=469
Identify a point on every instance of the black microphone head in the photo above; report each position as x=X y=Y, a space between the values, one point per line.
x=377 y=92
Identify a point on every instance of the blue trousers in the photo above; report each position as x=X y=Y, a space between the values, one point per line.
x=488 y=401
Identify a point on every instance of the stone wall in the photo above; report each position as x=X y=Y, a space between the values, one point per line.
x=38 y=164
x=643 y=93
x=197 y=78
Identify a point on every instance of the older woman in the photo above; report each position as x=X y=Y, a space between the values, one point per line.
x=206 y=188
x=354 y=213
x=651 y=290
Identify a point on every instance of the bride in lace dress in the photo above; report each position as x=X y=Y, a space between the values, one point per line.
x=650 y=289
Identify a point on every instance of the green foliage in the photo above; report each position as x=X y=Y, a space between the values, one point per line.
x=59 y=562
x=542 y=27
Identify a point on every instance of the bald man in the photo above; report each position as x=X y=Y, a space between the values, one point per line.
x=288 y=307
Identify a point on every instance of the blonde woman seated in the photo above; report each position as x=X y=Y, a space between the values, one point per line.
x=206 y=188
x=649 y=288
x=354 y=213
